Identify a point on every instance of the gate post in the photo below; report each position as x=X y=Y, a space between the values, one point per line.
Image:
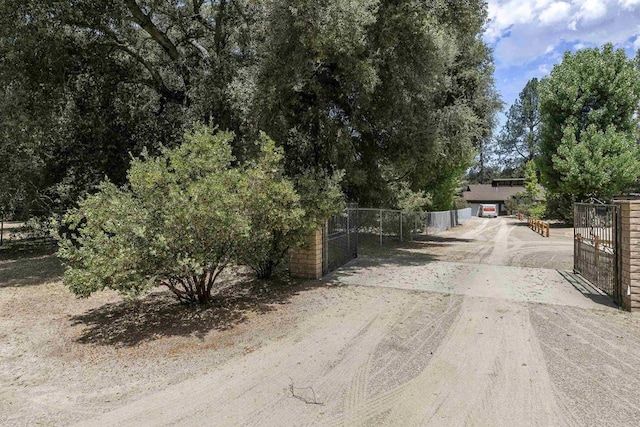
x=306 y=261
x=628 y=230
x=380 y=227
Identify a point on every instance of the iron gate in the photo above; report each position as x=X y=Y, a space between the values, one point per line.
x=340 y=239
x=596 y=242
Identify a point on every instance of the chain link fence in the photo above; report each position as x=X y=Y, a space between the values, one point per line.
x=383 y=226
x=340 y=235
x=444 y=220
x=367 y=228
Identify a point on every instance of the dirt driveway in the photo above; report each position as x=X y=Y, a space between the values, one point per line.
x=465 y=329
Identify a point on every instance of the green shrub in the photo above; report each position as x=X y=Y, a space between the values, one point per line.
x=175 y=223
x=273 y=210
x=183 y=217
x=523 y=203
x=282 y=211
x=538 y=210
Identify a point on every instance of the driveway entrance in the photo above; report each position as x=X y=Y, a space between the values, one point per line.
x=481 y=325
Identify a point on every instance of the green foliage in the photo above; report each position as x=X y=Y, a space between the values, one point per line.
x=411 y=201
x=538 y=211
x=443 y=196
x=588 y=144
x=385 y=91
x=381 y=90
x=176 y=223
x=320 y=194
x=183 y=217
x=274 y=212
x=520 y=136
x=527 y=205
x=527 y=202
x=560 y=207
x=531 y=180
x=599 y=164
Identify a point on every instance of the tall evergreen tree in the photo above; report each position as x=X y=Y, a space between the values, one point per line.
x=519 y=138
x=589 y=142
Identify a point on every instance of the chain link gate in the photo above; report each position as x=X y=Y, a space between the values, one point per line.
x=596 y=242
x=340 y=239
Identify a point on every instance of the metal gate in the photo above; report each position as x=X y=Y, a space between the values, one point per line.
x=340 y=239
x=596 y=246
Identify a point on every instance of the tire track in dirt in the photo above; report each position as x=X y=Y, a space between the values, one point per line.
x=357 y=392
x=399 y=367
x=425 y=336
x=470 y=380
x=333 y=381
x=594 y=372
x=600 y=338
x=332 y=352
x=332 y=376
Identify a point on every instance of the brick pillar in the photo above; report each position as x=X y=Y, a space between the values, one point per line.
x=630 y=253
x=306 y=262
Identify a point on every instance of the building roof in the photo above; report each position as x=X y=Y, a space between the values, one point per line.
x=497 y=182
x=490 y=193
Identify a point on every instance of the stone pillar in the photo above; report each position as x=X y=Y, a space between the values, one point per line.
x=306 y=262
x=629 y=229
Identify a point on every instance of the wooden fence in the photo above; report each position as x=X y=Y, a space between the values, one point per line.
x=541 y=227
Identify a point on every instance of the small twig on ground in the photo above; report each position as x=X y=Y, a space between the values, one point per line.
x=313 y=401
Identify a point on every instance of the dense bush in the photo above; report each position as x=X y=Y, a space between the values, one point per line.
x=175 y=223
x=525 y=204
x=185 y=216
x=273 y=210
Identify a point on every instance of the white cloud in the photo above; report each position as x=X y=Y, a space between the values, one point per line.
x=592 y=10
x=520 y=38
x=554 y=13
x=529 y=36
x=507 y=14
x=544 y=68
x=629 y=4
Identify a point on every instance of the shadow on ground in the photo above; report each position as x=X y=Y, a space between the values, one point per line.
x=28 y=263
x=408 y=252
x=587 y=289
x=129 y=323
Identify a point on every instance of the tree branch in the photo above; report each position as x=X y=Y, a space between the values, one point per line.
x=203 y=51
x=147 y=24
x=158 y=83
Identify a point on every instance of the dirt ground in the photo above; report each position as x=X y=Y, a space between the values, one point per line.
x=480 y=325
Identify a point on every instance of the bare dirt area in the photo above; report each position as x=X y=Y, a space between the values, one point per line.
x=463 y=328
x=64 y=359
x=489 y=241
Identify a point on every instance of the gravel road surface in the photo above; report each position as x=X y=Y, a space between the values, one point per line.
x=480 y=325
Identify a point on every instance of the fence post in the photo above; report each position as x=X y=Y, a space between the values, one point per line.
x=380 y=227
x=596 y=256
x=401 y=226
x=348 y=231
x=413 y=229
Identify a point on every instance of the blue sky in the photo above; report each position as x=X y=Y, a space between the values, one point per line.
x=529 y=36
